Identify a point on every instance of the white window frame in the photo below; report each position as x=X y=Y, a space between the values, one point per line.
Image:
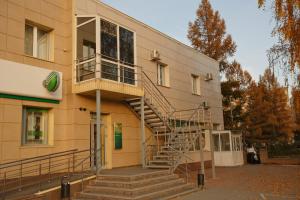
x=163 y=79
x=195 y=88
x=48 y=126
x=35 y=44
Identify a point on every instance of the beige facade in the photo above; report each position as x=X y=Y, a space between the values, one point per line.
x=70 y=118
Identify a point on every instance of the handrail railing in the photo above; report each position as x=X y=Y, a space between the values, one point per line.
x=43 y=172
x=37 y=158
x=157 y=90
x=156 y=97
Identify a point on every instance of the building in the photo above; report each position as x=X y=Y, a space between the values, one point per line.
x=59 y=58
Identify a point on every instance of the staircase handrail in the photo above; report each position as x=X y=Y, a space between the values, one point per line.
x=155 y=94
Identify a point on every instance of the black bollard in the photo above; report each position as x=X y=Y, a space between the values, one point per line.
x=65 y=188
x=200 y=180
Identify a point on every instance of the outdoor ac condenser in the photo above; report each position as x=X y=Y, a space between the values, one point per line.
x=155 y=56
x=209 y=77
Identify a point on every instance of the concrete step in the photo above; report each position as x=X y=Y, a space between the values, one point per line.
x=134 y=184
x=167 y=193
x=126 y=178
x=134 y=191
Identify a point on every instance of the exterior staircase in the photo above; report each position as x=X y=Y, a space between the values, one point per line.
x=153 y=117
x=174 y=132
x=154 y=185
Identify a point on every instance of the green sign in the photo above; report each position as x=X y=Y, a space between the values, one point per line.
x=118 y=135
x=52 y=82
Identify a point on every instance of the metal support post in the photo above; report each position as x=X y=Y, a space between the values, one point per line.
x=98 y=129
x=143 y=132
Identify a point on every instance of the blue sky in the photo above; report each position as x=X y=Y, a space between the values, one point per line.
x=249 y=26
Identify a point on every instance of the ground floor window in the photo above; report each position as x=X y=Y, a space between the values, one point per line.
x=35 y=126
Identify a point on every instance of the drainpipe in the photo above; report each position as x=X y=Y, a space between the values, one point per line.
x=98 y=131
x=143 y=132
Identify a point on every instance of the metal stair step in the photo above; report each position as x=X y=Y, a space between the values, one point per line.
x=153 y=120
x=158 y=166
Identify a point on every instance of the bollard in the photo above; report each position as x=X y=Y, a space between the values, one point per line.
x=200 y=180
x=65 y=188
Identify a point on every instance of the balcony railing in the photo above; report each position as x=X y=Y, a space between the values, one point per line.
x=108 y=69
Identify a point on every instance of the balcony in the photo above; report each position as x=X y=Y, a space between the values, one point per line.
x=105 y=59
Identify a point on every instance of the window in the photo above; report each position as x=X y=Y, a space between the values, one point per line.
x=216 y=142
x=37 y=42
x=89 y=51
x=225 y=142
x=109 y=40
x=117 y=63
x=35 y=126
x=162 y=74
x=195 y=84
x=126 y=46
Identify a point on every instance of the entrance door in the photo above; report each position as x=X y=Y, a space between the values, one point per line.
x=103 y=140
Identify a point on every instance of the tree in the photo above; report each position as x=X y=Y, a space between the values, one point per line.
x=287 y=16
x=234 y=98
x=208 y=34
x=296 y=108
x=269 y=114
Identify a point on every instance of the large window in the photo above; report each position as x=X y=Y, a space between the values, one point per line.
x=37 y=42
x=109 y=44
x=126 y=46
x=35 y=126
x=117 y=49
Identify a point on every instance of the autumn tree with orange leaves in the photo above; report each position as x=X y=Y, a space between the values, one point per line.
x=269 y=116
x=208 y=34
x=286 y=53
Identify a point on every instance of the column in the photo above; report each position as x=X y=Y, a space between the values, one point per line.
x=98 y=130
x=143 y=133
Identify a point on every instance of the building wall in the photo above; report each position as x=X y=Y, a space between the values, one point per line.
x=71 y=126
x=181 y=59
x=56 y=15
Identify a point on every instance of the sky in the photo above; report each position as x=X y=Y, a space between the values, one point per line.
x=249 y=26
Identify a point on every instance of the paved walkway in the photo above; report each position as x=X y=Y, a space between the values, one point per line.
x=251 y=182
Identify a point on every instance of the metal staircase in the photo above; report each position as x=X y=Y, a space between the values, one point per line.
x=175 y=132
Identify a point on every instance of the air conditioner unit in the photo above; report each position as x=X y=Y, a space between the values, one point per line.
x=209 y=77
x=155 y=55
x=205 y=104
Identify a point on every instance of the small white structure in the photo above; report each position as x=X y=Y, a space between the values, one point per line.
x=228 y=149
